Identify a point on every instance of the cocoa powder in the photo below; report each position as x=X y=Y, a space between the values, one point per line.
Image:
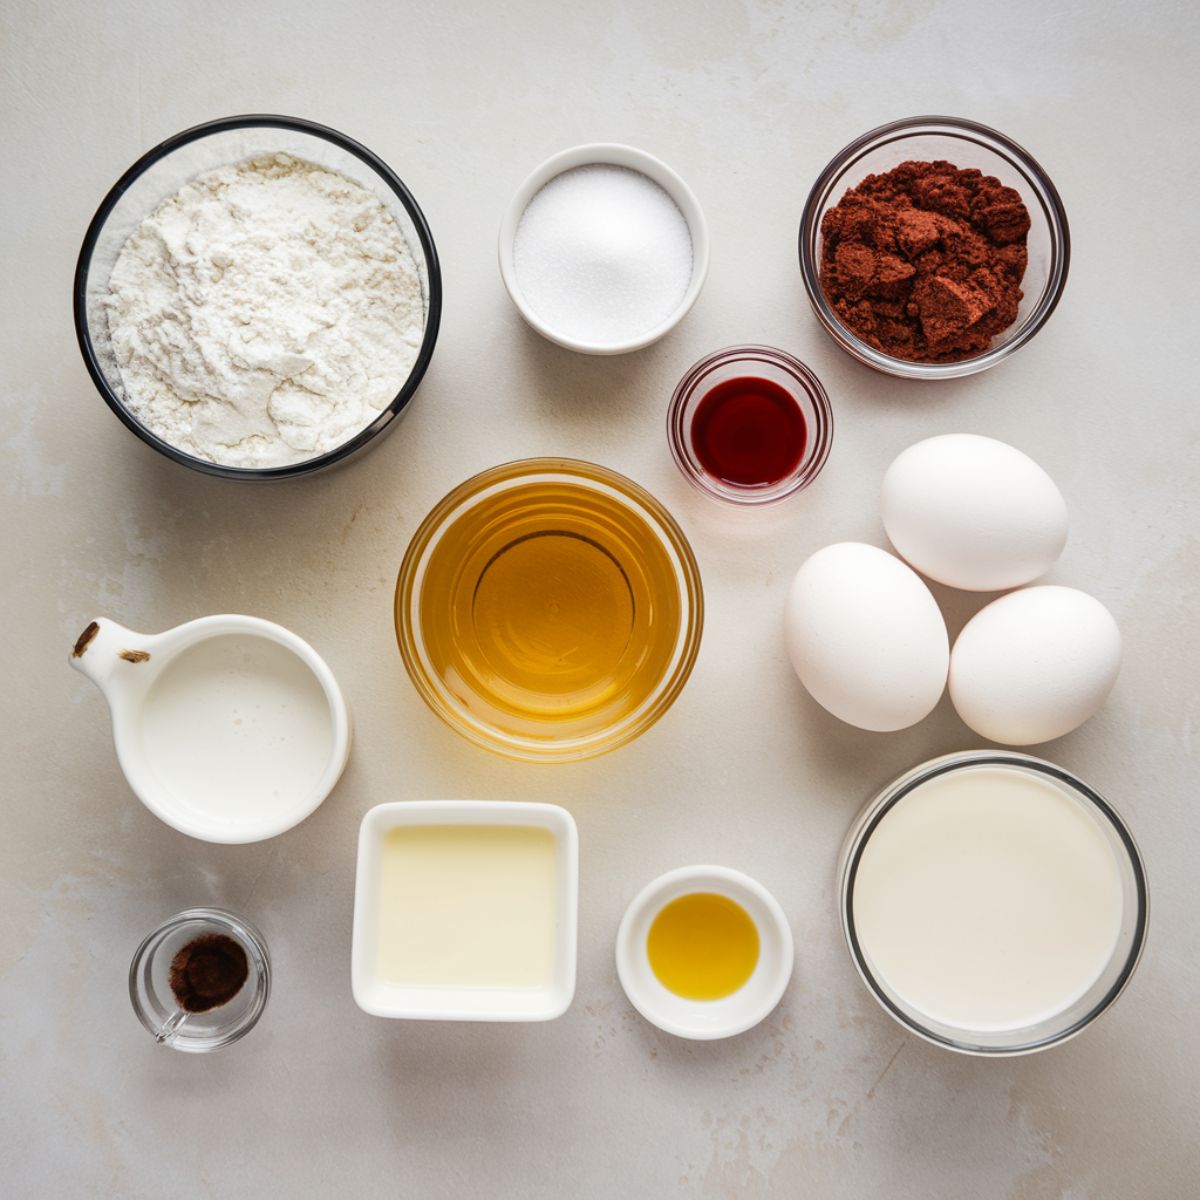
x=925 y=262
x=208 y=972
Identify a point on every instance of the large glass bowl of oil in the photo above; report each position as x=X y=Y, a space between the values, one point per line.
x=549 y=610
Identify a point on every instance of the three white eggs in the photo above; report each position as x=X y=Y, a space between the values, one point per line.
x=869 y=643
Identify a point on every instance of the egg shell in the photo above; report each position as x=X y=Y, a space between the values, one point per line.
x=1034 y=664
x=973 y=513
x=866 y=637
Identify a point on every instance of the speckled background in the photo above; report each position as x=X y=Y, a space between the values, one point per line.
x=828 y=1098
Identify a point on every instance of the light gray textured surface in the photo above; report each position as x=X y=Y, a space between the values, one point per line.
x=748 y=101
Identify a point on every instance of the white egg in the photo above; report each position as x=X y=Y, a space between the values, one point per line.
x=866 y=637
x=1034 y=664
x=973 y=513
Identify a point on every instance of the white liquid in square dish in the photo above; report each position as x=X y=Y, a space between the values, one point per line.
x=468 y=906
x=988 y=899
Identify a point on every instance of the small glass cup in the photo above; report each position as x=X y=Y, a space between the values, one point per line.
x=155 y=1004
x=762 y=362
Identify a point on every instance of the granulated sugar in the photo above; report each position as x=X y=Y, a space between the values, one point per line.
x=602 y=254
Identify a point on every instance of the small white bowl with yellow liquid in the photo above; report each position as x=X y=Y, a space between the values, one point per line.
x=704 y=952
x=465 y=910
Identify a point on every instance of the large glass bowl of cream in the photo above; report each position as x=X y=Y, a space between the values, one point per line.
x=992 y=902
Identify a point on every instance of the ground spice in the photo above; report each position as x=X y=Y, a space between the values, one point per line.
x=208 y=972
x=925 y=261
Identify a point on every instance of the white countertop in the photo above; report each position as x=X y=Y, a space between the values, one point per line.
x=828 y=1098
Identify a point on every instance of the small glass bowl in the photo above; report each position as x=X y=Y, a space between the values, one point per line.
x=1076 y=1017
x=966 y=144
x=160 y=173
x=764 y=362
x=474 y=713
x=155 y=1004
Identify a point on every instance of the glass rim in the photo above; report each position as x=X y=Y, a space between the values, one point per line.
x=164 y=149
x=873 y=812
x=806 y=382
x=954 y=127
x=478 y=487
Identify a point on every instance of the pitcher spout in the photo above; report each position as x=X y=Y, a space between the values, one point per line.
x=103 y=647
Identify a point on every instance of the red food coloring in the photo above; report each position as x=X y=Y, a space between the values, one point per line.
x=749 y=432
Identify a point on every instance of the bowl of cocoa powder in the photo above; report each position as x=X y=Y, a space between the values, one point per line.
x=933 y=248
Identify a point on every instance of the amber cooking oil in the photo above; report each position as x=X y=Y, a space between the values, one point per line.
x=550 y=609
x=703 y=946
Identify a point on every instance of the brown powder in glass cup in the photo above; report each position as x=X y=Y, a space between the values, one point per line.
x=925 y=262
x=208 y=972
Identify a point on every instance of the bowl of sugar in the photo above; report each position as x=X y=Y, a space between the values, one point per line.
x=603 y=249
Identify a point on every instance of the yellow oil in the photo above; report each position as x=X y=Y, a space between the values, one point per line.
x=703 y=946
x=550 y=609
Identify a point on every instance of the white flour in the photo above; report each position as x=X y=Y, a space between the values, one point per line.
x=265 y=313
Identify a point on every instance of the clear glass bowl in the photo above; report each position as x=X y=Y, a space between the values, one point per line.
x=966 y=144
x=524 y=501
x=155 y=1004
x=160 y=173
x=763 y=362
x=1108 y=986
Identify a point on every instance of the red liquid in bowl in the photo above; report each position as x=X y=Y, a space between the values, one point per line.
x=749 y=432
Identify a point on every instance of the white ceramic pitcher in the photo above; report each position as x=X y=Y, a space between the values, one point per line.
x=229 y=728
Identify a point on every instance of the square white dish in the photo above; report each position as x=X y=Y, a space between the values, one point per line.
x=383 y=997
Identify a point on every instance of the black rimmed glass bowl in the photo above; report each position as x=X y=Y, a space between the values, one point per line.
x=159 y=174
x=965 y=144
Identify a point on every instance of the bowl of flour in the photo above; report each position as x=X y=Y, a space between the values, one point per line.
x=258 y=297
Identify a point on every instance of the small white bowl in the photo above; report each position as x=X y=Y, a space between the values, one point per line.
x=224 y=748
x=617 y=155
x=383 y=998
x=705 y=1020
